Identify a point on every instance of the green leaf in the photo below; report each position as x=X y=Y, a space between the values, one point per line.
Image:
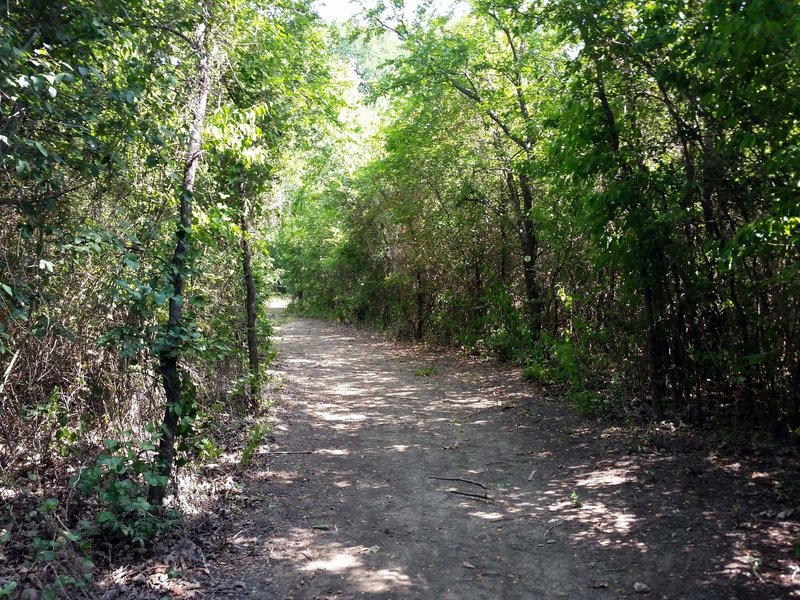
x=106 y=517
x=131 y=261
x=50 y=504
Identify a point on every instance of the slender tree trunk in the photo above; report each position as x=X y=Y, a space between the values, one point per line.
x=794 y=395
x=521 y=195
x=655 y=353
x=533 y=294
x=250 y=305
x=680 y=362
x=169 y=354
x=419 y=326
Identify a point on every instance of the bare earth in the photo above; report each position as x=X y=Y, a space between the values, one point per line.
x=554 y=506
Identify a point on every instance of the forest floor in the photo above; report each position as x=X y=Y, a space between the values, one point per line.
x=396 y=472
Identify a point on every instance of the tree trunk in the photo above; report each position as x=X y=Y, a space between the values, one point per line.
x=250 y=306
x=655 y=353
x=170 y=351
x=794 y=395
x=419 y=326
x=522 y=203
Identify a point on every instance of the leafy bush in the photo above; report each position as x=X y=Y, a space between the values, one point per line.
x=256 y=434
x=119 y=480
x=588 y=402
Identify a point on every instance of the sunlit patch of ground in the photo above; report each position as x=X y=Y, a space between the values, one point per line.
x=604 y=478
x=278 y=303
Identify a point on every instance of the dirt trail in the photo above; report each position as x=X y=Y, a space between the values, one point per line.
x=563 y=509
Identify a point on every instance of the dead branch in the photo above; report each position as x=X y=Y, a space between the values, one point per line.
x=479 y=411
x=475 y=496
x=478 y=483
x=549 y=529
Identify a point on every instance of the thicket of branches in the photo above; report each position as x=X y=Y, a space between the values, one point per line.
x=140 y=143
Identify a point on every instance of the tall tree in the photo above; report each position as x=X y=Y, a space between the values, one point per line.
x=169 y=352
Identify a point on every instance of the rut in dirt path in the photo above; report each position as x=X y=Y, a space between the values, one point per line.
x=399 y=475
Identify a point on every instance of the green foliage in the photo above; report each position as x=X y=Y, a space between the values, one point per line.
x=536 y=370
x=503 y=327
x=426 y=372
x=119 y=480
x=257 y=432
x=60 y=551
x=588 y=402
x=604 y=192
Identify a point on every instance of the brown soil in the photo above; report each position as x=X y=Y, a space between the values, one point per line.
x=542 y=503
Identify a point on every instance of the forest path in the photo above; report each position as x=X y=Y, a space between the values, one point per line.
x=568 y=512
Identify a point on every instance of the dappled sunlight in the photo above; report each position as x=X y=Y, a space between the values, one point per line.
x=519 y=479
x=342 y=417
x=337 y=563
x=605 y=519
x=366 y=568
x=333 y=451
x=489 y=516
x=398 y=447
x=278 y=303
x=599 y=479
x=383 y=580
x=344 y=390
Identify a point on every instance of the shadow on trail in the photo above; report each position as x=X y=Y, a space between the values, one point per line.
x=419 y=484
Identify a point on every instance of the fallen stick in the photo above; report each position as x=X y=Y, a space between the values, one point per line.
x=549 y=529
x=295 y=452
x=476 y=496
x=478 y=483
x=530 y=477
x=479 y=411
